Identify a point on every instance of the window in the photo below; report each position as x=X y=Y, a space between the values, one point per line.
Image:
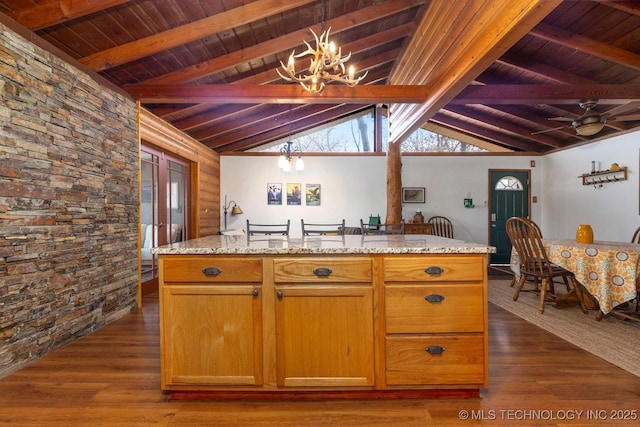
x=356 y=133
x=507 y=183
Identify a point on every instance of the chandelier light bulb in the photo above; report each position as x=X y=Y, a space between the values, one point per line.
x=282 y=161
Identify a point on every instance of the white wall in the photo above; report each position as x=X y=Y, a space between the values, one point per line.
x=354 y=187
x=612 y=211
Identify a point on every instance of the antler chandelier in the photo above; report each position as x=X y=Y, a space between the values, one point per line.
x=327 y=65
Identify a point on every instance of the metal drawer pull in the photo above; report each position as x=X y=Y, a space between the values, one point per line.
x=322 y=271
x=255 y=293
x=211 y=271
x=434 y=298
x=434 y=349
x=434 y=270
x=279 y=294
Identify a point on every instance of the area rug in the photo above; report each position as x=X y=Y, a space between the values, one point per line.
x=611 y=339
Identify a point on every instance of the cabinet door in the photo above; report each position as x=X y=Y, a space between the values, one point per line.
x=211 y=334
x=324 y=336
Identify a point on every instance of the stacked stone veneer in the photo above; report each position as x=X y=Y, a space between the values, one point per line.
x=68 y=203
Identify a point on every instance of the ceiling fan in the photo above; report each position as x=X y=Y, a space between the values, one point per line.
x=592 y=122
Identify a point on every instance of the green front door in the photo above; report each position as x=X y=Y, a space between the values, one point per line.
x=509 y=197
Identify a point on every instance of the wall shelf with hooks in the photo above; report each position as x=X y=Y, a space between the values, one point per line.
x=603 y=177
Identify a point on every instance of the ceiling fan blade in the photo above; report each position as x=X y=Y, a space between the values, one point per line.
x=624 y=108
x=550 y=130
x=561 y=119
x=627 y=118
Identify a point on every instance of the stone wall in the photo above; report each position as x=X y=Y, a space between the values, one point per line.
x=68 y=203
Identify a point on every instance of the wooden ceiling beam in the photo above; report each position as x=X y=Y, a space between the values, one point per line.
x=467 y=49
x=211 y=116
x=197 y=30
x=376 y=94
x=51 y=12
x=546 y=94
x=275 y=94
x=587 y=45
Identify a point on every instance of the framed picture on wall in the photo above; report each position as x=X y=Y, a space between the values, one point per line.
x=413 y=194
x=294 y=196
x=312 y=194
x=274 y=193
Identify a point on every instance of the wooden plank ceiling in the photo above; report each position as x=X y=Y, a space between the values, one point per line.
x=489 y=70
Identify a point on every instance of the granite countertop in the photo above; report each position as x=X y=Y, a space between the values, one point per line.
x=352 y=244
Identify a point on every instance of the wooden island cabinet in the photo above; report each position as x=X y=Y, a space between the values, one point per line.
x=360 y=315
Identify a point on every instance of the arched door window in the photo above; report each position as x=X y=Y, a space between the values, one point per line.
x=507 y=183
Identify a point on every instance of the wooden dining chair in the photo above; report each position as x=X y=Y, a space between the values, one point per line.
x=535 y=264
x=322 y=229
x=536 y=229
x=385 y=228
x=442 y=226
x=636 y=236
x=268 y=229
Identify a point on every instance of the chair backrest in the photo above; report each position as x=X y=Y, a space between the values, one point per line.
x=387 y=228
x=527 y=241
x=268 y=229
x=322 y=229
x=441 y=226
x=533 y=225
x=636 y=236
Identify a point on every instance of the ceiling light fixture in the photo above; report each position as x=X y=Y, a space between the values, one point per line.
x=287 y=152
x=590 y=125
x=327 y=65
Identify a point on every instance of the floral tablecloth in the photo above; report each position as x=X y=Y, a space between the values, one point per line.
x=608 y=270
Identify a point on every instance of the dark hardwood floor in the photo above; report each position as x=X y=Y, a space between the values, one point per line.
x=111 y=378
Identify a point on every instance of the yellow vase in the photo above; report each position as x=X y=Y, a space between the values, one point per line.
x=584 y=234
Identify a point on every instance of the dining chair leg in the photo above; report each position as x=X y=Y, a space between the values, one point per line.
x=523 y=279
x=513 y=281
x=543 y=294
x=581 y=297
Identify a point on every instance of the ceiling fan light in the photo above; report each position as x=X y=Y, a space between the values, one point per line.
x=589 y=129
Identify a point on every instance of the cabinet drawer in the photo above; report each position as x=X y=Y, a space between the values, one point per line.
x=186 y=268
x=290 y=270
x=460 y=362
x=434 y=268
x=434 y=308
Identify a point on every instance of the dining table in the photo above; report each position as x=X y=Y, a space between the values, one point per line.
x=609 y=271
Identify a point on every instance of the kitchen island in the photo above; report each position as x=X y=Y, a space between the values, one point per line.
x=323 y=316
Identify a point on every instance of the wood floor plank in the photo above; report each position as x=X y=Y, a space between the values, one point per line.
x=112 y=378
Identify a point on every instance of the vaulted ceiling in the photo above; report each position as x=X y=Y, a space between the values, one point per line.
x=481 y=70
